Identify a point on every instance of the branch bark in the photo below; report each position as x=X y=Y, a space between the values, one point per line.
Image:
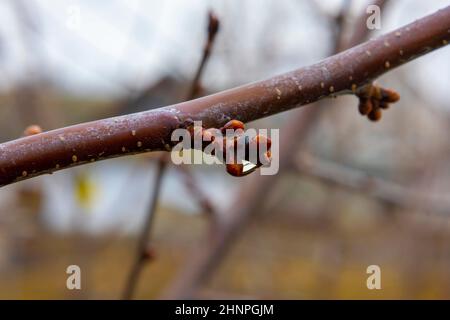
x=151 y=130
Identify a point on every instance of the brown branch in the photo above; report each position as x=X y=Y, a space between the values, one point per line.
x=151 y=130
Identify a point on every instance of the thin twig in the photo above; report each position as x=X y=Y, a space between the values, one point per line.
x=143 y=243
x=213 y=28
x=151 y=130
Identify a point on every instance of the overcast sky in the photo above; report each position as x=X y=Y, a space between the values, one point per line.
x=104 y=47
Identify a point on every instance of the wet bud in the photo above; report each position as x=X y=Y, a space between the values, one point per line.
x=388 y=95
x=375 y=104
x=233 y=124
x=384 y=105
x=364 y=107
x=235 y=169
x=375 y=114
x=213 y=25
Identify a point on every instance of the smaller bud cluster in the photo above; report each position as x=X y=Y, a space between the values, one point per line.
x=373 y=99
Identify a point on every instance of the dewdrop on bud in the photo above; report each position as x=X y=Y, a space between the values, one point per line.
x=235 y=169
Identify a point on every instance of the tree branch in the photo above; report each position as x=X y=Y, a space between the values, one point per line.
x=151 y=130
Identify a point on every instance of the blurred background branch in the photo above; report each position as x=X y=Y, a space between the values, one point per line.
x=143 y=244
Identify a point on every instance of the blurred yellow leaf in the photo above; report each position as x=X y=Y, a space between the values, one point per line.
x=85 y=190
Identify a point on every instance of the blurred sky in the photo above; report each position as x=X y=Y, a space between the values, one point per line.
x=108 y=47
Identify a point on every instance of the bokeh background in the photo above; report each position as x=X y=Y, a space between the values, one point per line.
x=358 y=193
